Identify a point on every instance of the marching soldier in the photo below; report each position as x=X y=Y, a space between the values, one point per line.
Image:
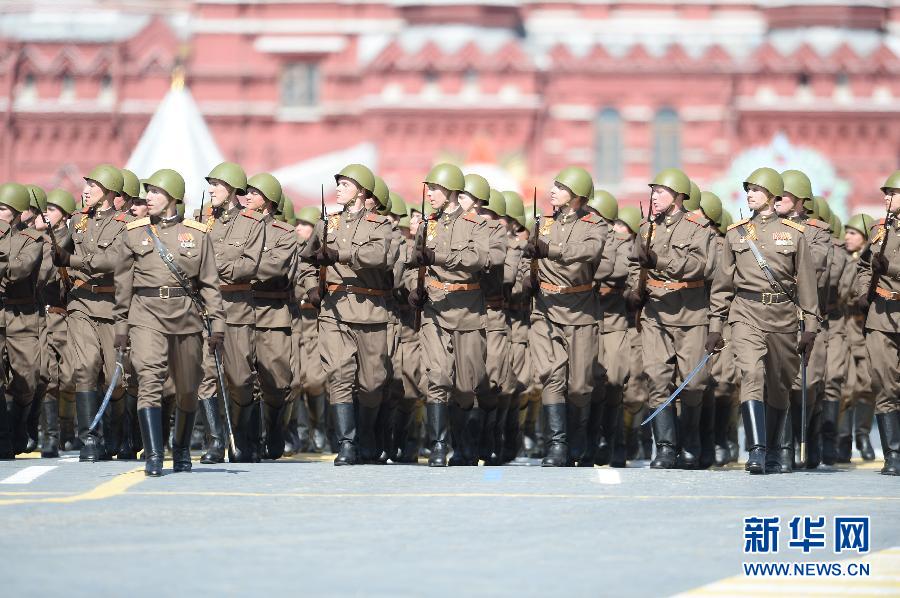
x=764 y=320
x=237 y=237
x=878 y=291
x=352 y=252
x=156 y=312
x=563 y=334
x=673 y=321
x=452 y=334
x=90 y=306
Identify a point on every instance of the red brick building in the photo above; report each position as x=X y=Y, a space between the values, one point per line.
x=622 y=88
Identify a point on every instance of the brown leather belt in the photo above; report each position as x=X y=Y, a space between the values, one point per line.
x=764 y=298
x=452 y=287
x=52 y=309
x=558 y=290
x=234 y=288
x=271 y=295
x=494 y=303
x=160 y=292
x=349 y=288
x=610 y=290
x=94 y=288
x=308 y=306
x=881 y=292
x=19 y=301
x=671 y=285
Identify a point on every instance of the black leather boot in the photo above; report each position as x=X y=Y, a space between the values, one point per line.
x=722 y=424
x=436 y=415
x=215 y=431
x=367 y=434
x=237 y=454
x=18 y=423
x=595 y=436
x=754 y=416
x=181 y=440
x=512 y=433
x=576 y=432
x=403 y=419
x=254 y=432
x=112 y=426
x=50 y=440
x=614 y=430
x=487 y=443
x=845 y=434
x=558 y=444
x=151 y=422
x=6 y=444
x=889 y=430
x=458 y=439
x=665 y=436
x=497 y=432
x=32 y=419
x=86 y=405
x=319 y=433
x=128 y=448
x=814 y=439
x=708 y=430
x=345 y=429
x=274 y=422
x=863 y=415
x=475 y=435
x=384 y=431
x=689 y=453
x=830 y=413
x=779 y=441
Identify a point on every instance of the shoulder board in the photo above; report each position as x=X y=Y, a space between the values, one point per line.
x=281 y=225
x=879 y=222
x=252 y=214
x=122 y=217
x=472 y=218
x=195 y=225
x=85 y=210
x=374 y=217
x=592 y=218
x=137 y=223
x=31 y=233
x=739 y=223
x=696 y=219
x=817 y=223
x=793 y=224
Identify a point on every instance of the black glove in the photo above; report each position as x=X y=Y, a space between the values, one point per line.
x=539 y=249
x=417 y=299
x=61 y=257
x=506 y=291
x=424 y=257
x=714 y=342
x=880 y=264
x=313 y=297
x=120 y=343
x=805 y=347
x=326 y=256
x=634 y=301
x=215 y=342
x=528 y=290
x=401 y=295
x=647 y=258
x=862 y=304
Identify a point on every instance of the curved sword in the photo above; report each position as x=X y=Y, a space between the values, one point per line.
x=120 y=358
x=681 y=386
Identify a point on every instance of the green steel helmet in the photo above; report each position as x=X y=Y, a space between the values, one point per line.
x=577 y=180
x=288 y=209
x=38 y=197
x=712 y=207
x=382 y=194
x=496 y=203
x=404 y=222
x=892 y=182
x=398 y=206
x=131 y=186
x=267 y=185
x=309 y=215
x=15 y=196
x=63 y=200
x=108 y=176
x=169 y=181
x=359 y=174
x=232 y=175
x=674 y=179
x=837 y=227
x=605 y=204
x=727 y=220
x=515 y=207
x=768 y=179
x=821 y=209
x=693 y=201
x=862 y=223
x=478 y=187
x=797 y=184
x=631 y=216
x=446 y=175
x=179 y=209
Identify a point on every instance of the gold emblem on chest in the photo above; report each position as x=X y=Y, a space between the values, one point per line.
x=783 y=238
x=751 y=232
x=334 y=222
x=546 y=225
x=431 y=231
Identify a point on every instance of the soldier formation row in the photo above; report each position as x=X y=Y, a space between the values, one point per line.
x=464 y=305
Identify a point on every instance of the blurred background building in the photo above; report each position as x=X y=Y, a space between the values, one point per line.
x=514 y=90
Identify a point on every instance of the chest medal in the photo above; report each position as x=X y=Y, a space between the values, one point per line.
x=333 y=222
x=546 y=225
x=751 y=232
x=81 y=225
x=186 y=240
x=431 y=230
x=783 y=238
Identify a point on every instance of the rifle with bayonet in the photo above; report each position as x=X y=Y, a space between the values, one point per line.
x=535 y=265
x=323 y=270
x=420 y=280
x=873 y=283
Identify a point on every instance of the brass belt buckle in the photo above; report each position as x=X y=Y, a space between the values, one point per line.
x=163 y=292
x=666 y=285
x=767 y=298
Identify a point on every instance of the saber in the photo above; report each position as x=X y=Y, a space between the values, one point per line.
x=223 y=391
x=681 y=386
x=803 y=425
x=120 y=358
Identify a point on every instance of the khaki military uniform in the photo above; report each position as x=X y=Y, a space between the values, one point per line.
x=497 y=338
x=858 y=400
x=822 y=254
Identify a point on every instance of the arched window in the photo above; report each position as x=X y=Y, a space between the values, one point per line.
x=666 y=140
x=608 y=147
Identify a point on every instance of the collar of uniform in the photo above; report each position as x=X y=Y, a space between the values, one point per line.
x=165 y=222
x=350 y=215
x=568 y=216
x=766 y=218
x=673 y=218
x=109 y=213
x=799 y=218
x=447 y=217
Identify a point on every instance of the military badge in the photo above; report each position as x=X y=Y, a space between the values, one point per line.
x=432 y=229
x=546 y=225
x=146 y=241
x=879 y=235
x=751 y=232
x=333 y=222
x=783 y=238
x=186 y=240
x=81 y=225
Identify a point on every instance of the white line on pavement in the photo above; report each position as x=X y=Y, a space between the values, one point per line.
x=28 y=475
x=608 y=476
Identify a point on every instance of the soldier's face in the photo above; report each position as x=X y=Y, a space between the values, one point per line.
x=757 y=197
x=854 y=240
x=92 y=193
x=466 y=201
x=560 y=195
x=415 y=219
x=892 y=201
x=219 y=192
x=158 y=201
x=304 y=231
x=119 y=202
x=437 y=196
x=139 y=208
x=7 y=214
x=54 y=215
x=661 y=198
x=28 y=215
x=371 y=203
x=256 y=201
x=621 y=228
x=346 y=191
x=787 y=204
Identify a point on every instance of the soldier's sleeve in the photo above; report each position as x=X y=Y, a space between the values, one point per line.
x=4 y=248
x=104 y=260
x=470 y=258
x=497 y=248
x=687 y=261
x=712 y=257
x=620 y=269
x=45 y=275
x=722 y=291
x=863 y=272
x=373 y=251
x=511 y=264
x=279 y=259
x=243 y=269
x=807 y=290
x=208 y=285
x=307 y=277
x=123 y=280
x=27 y=260
x=399 y=262
x=312 y=244
x=634 y=268
x=587 y=249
